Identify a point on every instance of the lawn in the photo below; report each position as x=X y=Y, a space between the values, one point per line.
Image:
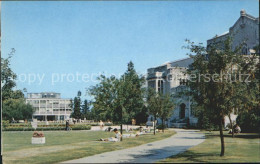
x=242 y=148
x=63 y=145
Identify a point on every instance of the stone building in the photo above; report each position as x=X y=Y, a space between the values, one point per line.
x=171 y=77
x=49 y=106
x=244 y=32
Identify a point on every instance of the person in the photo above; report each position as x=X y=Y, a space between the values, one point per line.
x=74 y=121
x=67 y=125
x=101 y=124
x=108 y=129
x=237 y=129
x=114 y=139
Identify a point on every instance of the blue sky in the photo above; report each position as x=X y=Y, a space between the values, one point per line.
x=69 y=38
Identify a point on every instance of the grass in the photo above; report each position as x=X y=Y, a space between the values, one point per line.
x=63 y=145
x=242 y=148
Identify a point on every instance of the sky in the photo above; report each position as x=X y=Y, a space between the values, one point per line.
x=63 y=46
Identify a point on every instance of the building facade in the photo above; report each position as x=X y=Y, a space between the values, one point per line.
x=49 y=106
x=170 y=78
x=245 y=33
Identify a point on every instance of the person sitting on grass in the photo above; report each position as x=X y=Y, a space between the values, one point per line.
x=113 y=139
x=237 y=129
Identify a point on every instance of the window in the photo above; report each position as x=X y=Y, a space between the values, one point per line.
x=183 y=81
x=160 y=86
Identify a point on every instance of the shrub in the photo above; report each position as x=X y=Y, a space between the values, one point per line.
x=249 y=121
x=161 y=126
x=5 y=123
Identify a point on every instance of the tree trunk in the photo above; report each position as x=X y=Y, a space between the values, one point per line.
x=121 y=131
x=154 y=126
x=162 y=125
x=221 y=138
x=231 y=124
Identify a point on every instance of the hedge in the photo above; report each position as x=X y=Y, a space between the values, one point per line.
x=75 y=127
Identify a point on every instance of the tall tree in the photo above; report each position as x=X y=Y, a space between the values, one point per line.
x=86 y=109
x=77 y=107
x=104 y=94
x=210 y=83
x=8 y=78
x=14 y=106
x=133 y=94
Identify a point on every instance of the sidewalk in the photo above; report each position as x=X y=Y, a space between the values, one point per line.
x=151 y=152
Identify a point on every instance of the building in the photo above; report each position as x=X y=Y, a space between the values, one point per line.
x=170 y=78
x=244 y=32
x=49 y=106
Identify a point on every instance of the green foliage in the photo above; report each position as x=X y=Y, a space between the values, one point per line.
x=215 y=82
x=14 y=106
x=77 y=108
x=85 y=109
x=5 y=123
x=104 y=94
x=167 y=107
x=8 y=77
x=132 y=95
x=249 y=121
x=46 y=128
x=205 y=122
x=161 y=126
x=17 y=109
x=159 y=105
x=153 y=102
x=119 y=100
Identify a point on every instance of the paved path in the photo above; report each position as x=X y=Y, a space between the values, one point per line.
x=151 y=152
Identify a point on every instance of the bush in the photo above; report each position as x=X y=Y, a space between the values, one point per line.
x=5 y=123
x=204 y=122
x=249 y=122
x=161 y=126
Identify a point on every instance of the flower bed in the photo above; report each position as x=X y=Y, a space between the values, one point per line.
x=38 y=138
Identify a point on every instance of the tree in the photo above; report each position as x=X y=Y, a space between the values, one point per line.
x=104 y=94
x=8 y=78
x=86 y=109
x=153 y=105
x=211 y=81
x=166 y=109
x=77 y=107
x=16 y=109
x=14 y=105
x=119 y=100
x=133 y=94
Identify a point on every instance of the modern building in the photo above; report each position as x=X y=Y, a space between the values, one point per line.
x=170 y=78
x=49 y=106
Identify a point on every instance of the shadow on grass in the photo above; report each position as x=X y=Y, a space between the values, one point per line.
x=241 y=135
x=195 y=157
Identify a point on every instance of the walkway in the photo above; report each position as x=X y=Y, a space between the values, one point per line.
x=151 y=152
